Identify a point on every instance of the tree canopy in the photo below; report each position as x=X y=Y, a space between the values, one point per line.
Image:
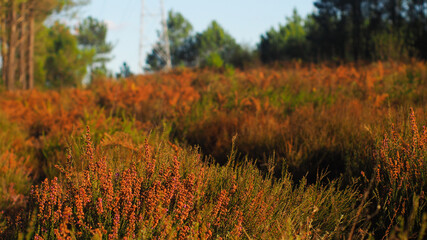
x=179 y=33
x=92 y=35
x=288 y=42
x=212 y=46
x=338 y=31
x=351 y=30
x=34 y=54
x=66 y=63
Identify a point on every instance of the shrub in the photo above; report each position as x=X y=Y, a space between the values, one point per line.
x=401 y=177
x=167 y=192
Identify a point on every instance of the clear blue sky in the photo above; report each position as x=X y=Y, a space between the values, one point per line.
x=245 y=20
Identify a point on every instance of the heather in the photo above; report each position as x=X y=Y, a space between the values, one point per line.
x=292 y=151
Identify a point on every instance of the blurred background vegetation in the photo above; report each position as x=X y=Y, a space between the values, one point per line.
x=51 y=56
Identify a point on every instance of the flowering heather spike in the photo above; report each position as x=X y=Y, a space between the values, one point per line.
x=79 y=208
x=116 y=226
x=150 y=161
x=415 y=133
x=63 y=232
x=89 y=147
x=221 y=207
x=402 y=171
x=175 y=147
x=38 y=237
x=424 y=135
x=238 y=228
x=100 y=208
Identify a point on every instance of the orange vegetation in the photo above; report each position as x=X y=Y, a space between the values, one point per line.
x=302 y=120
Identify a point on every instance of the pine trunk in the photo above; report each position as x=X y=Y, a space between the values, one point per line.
x=23 y=49
x=3 y=40
x=30 y=44
x=10 y=80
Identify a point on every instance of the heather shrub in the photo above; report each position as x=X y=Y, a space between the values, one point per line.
x=15 y=164
x=312 y=130
x=400 y=179
x=164 y=191
x=16 y=172
x=310 y=117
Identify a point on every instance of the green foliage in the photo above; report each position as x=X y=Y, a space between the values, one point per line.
x=42 y=41
x=289 y=42
x=66 y=63
x=214 y=60
x=243 y=56
x=124 y=71
x=58 y=60
x=215 y=40
x=199 y=49
x=92 y=35
x=366 y=29
x=389 y=46
x=44 y=49
x=179 y=33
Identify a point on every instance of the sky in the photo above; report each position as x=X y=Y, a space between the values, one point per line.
x=245 y=20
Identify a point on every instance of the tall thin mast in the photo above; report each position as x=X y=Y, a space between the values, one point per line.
x=141 y=38
x=166 y=38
